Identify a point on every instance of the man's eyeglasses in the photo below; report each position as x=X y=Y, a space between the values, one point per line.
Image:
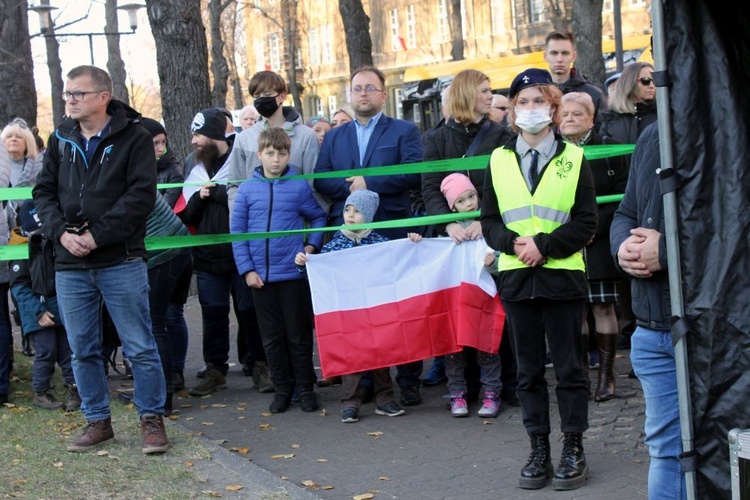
x=645 y=81
x=370 y=89
x=78 y=95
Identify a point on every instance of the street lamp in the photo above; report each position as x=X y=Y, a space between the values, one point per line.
x=44 y=10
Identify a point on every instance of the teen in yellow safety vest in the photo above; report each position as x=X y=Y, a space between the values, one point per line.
x=539 y=212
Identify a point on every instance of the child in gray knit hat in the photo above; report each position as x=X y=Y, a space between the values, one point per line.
x=360 y=208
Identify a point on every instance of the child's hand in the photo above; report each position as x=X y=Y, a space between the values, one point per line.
x=300 y=259
x=253 y=280
x=474 y=230
x=415 y=237
x=46 y=320
x=489 y=259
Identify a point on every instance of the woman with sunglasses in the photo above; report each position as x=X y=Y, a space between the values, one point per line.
x=632 y=106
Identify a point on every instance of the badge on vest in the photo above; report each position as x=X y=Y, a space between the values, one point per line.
x=563 y=166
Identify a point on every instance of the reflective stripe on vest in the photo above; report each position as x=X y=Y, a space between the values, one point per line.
x=546 y=210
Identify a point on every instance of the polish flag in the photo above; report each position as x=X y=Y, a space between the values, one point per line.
x=395 y=302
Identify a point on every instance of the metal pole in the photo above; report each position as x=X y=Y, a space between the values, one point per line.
x=618 y=34
x=673 y=249
x=91 y=47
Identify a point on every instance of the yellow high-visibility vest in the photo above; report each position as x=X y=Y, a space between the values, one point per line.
x=546 y=210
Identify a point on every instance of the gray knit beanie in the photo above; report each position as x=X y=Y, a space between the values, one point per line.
x=366 y=202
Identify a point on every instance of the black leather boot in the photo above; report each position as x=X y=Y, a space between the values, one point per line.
x=538 y=468
x=605 y=387
x=572 y=472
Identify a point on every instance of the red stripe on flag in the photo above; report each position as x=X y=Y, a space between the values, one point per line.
x=409 y=330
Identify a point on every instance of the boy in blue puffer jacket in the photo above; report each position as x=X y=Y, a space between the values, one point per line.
x=270 y=202
x=33 y=287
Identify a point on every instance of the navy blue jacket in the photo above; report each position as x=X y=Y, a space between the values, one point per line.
x=393 y=142
x=642 y=206
x=264 y=205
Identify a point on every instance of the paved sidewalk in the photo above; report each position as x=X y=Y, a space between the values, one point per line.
x=424 y=454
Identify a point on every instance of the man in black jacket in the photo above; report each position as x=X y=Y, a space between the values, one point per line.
x=94 y=194
x=560 y=54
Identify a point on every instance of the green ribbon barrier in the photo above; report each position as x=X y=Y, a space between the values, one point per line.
x=21 y=252
x=449 y=165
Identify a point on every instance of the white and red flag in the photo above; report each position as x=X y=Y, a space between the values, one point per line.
x=199 y=174
x=395 y=302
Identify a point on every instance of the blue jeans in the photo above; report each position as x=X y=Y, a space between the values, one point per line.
x=124 y=290
x=6 y=346
x=652 y=357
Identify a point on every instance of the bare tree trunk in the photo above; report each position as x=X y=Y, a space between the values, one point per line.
x=357 y=32
x=182 y=62
x=289 y=18
x=219 y=67
x=229 y=32
x=559 y=12
x=17 y=67
x=55 y=76
x=457 y=31
x=115 y=65
x=587 y=25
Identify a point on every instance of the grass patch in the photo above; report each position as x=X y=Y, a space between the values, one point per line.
x=35 y=463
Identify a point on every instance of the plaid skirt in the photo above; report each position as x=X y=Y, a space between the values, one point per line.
x=603 y=292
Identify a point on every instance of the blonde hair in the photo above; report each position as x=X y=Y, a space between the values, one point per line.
x=551 y=93
x=24 y=132
x=621 y=100
x=463 y=94
x=581 y=98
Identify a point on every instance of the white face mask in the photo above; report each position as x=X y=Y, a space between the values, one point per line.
x=533 y=120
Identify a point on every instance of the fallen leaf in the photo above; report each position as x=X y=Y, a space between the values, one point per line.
x=486 y=422
x=240 y=409
x=322 y=460
x=234 y=487
x=57 y=464
x=203 y=407
x=186 y=405
x=211 y=493
x=102 y=453
x=310 y=484
x=20 y=448
x=217 y=405
x=174 y=417
x=207 y=423
x=384 y=478
x=295 y=447
x=266 y=414
x=323 y=413
x=363 y=496
x=220 y=441
x=265 y=427
x=285 y=455
x=189 y=463
x=375 y=434
x=243 y=451
x=328 y=487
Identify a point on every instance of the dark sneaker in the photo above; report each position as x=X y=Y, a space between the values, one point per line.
x=153 y=435
x=74 y=399
x=391 y=409
x=410 y=396
x=213 y=381
x=247 y=369
x=47 y=401
x=308 y=402
x=328 y=382
x=178 y=380
x=279 y=404
x=96 y=433
x=261 y=377
x=349 y=415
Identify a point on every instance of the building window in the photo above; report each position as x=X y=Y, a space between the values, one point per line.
x=417 y=114
x=464 y=20
x=536 y=11
x=442 y=21
x=274 y=52
x=331 y=106
x=314 y=46
x=395 y=41
x=327 y=43
x=497 y=12
x=411 y=27
x=298 y=57
x=608 y=6
x=398 y=97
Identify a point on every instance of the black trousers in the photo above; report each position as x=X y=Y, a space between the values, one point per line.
x=528 y=320
x=284 y=311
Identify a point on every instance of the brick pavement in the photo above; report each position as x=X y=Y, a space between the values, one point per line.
x=424 y=454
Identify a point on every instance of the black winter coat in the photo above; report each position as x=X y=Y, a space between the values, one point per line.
x=169 y=171
x=115 y=193
x=451 y=141
x=626 y=127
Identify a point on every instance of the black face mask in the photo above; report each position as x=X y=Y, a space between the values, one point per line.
x=266 y=106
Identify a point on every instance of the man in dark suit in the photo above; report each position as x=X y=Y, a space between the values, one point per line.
x=373 y=139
